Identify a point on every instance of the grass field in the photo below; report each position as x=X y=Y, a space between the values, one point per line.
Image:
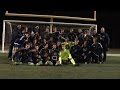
x=110 y=70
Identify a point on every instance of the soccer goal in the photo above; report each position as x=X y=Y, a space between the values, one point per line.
x=10 y=25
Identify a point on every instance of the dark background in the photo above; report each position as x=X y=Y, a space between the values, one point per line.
x=106 y=16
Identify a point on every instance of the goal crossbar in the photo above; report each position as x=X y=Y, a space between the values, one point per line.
x=51 y=16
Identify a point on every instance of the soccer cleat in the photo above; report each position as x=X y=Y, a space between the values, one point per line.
x=50 y=63
x=85 y=62
x=15 y=63
x=30 y=63
x=39 y=63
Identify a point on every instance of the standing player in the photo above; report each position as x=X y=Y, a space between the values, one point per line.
x=16 y=32
x=105 y=41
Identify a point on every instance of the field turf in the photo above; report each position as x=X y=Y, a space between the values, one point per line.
x=109 y=70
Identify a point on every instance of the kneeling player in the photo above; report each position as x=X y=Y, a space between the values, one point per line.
x=76 y=52
x=35 y=55
x=23 y=55
x=95 y=52
x=64 y=55
x=54 y=54
x=45 y=56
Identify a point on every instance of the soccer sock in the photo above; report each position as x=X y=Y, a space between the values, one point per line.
x=60 y=60
x=72 y=61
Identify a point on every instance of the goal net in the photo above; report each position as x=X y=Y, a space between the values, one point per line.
x=44 y=22
x=10 y=26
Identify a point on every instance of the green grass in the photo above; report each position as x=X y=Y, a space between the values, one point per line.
x=110 y=70
x=114 y=51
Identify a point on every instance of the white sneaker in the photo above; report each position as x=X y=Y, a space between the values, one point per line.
x=50 y=63
x=39 y=63
x=15 y=63
x=30 y=63
x=57 y=64
x=85 y=62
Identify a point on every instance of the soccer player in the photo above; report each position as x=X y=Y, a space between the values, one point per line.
x=35 y=55
x=19 y=43
x=95 y=52
x=45 y=55
x=54 y=54
x=16 y=32
x=22 y=55
x=76 y=52
x=80 y=36
x=105 y=41
x=71 y=35
x=65 y=56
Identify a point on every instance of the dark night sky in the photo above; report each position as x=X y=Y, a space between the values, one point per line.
x=109 y=19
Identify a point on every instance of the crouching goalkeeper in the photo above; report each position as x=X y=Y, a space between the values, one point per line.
x=65 y=56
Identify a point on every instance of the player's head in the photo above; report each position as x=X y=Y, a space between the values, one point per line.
x=54 y=29
x=47 y=29
x=36 y=46
x=27 y=46
x=76 y=42
x=54 y=45
x=79 y=30
x=62 y=30
x=58 y=43
x=63 y=46
x=32 y=34
x=71 y=30
x=36 y=29
x=102 y=30
x=27 y=34
x=19 y=26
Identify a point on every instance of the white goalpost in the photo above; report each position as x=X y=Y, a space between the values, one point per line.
x=6 y=33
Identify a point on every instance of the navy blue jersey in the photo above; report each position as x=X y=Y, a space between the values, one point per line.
x=54 y=53
x=71 y=36
x=96 y=48
x=16 y=33
x=85 y=50
x=44 y=52
x=19 y=42
x=104 y=39
x=80 y=38
x=89 y=40
x=76 y=50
